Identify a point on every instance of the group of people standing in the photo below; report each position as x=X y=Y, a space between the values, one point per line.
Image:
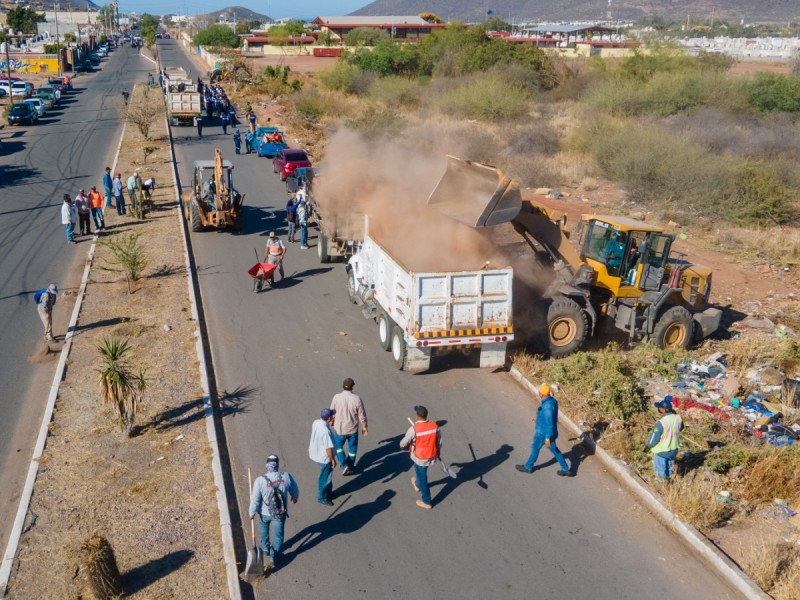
x=297 y=214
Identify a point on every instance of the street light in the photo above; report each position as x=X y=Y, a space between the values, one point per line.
x=58 y=51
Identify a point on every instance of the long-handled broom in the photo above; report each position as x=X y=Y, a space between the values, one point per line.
x=255 y=557
x=447 y=470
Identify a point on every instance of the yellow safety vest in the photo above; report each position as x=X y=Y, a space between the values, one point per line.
x=670 y=439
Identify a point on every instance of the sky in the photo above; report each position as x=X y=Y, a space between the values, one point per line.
x=272 y=8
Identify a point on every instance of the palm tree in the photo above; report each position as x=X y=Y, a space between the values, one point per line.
x=119 y=385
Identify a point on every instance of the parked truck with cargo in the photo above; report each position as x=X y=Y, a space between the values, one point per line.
x=421 y=313
x=184 y=102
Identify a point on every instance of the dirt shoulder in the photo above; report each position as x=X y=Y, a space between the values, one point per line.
x=150 y=495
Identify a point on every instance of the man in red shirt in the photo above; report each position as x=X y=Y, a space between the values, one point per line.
x=96 y=202
x=424 y=440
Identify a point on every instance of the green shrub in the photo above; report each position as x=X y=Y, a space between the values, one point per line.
x=484 y=96
x=761 y=199
x=771 y=92
x=395 y=91
x=365 y=36
x=376 y=122
x=726 y=458
x=348 y=78
x=311 y=105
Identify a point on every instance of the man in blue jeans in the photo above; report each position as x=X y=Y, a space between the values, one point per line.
x=268 y=501
x=665 y=439
x=321 y=451
x=350 y=411
x=545 y=433
x=424 y=440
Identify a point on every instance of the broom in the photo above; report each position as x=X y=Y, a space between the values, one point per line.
x=255 y=558
x=447 y=470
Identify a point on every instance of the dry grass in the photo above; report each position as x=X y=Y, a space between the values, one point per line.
x=774 y=473
x=694 y=499
x=787 y=585
x=751 y=351
x=779 y=245
x=768 y=562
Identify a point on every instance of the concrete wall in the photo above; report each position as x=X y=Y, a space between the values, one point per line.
x=32 y=63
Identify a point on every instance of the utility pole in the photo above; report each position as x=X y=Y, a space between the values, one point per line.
x=58 y=49
x=8 y=65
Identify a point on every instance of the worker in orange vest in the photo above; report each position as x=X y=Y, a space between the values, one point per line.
x=424 y=440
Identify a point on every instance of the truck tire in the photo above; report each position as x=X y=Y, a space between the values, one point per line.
x=567 y=326
x=674 y=329
x=398 y=348
x=322 y=248
x=352 y=291
x=385 y=326
x=194 y=217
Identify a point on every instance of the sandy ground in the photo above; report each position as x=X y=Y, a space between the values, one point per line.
x=152 y=495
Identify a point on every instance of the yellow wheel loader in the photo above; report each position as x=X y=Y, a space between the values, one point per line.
x=621 y=277
x=213 y=201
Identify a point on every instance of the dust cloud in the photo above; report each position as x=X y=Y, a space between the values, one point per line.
x=390 y=181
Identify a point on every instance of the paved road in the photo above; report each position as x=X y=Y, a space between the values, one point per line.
x=280 y=355
x=64 y=151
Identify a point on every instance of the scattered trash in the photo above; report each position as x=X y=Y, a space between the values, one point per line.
x=724 y=496
x=180 y=437
x=167 y=328
x=341 y=333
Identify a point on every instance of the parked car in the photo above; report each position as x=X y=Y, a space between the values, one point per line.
x=94 y=58
x=37 y=104
x=22 y=113
x=47 y=94
x=84 y=67
x=289 y=159
x=64 y=82
x=18 y=89
x=102 y=51
x=3 y=93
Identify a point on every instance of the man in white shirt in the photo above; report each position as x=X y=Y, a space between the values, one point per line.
x=320 y=450
x=68 y=218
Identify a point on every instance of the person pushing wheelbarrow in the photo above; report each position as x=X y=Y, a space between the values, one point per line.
x=274 y=252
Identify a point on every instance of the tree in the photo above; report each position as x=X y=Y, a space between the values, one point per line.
x=217 y=36
x=365 y=36
x=23 y=20
x=430 y=17
x=324 y=37
x=247 y=26
x=148 y=22
x=497 y=24
x=69 y=37
x=144 y=109
x=295 y=28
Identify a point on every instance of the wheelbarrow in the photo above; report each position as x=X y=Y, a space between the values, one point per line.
x=262 y=274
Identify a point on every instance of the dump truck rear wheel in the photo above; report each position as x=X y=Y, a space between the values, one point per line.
x=194 y=217
x=322 y=248
x=674 y=329
x=567 y=326
x=398 y=348
x=351 y=288
x=385 y=326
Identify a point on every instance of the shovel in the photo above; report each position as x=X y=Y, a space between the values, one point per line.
x=255 y=558
x=447 y=470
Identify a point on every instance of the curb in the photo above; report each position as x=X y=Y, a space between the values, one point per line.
x=44 y=429
x=713 y=556
x=226 y=527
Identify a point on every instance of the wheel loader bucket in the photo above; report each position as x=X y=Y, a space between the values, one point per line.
x=476 y=195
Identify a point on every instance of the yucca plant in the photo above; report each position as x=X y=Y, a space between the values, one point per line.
x=128 y=256
x=120 y=386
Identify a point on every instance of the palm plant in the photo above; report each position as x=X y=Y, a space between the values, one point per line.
x=120 y=386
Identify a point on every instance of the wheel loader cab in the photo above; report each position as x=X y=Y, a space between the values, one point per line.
x=628 y=257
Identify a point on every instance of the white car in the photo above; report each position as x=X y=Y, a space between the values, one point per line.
x=18 y=89
x=37 y=104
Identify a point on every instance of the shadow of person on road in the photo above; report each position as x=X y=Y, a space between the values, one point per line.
x=348 y=521
x=470 y=471
x=383 y=463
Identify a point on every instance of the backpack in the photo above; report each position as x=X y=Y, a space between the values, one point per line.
x=291 y=213
x=276 y=498
x=37 y=297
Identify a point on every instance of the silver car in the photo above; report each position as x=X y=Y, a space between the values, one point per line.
x=38 y=105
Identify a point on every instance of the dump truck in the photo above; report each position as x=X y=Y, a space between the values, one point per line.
x=184 y=103
x=621 y=277
x=422 y=313
x=213 y=201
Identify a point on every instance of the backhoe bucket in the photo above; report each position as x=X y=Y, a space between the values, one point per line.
x=476 y=195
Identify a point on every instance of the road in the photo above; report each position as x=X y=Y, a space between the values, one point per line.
x=279 y=356
x=65 y=151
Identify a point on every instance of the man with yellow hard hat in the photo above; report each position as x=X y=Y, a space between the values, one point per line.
x=545 y=433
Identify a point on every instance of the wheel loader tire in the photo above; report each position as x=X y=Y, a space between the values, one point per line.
x=398 y=348
x=194 y=217
x=567 y=326
x=322 y=248
x=674 y=329
x=385 y=327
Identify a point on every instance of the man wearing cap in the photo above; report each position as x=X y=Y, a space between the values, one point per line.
x=68 y=218
x=84 y=211
x=349 y=409
x=96 y=203
x=268 y=501
x=274 y=252
x=47 y=299
x=665 y=439
x=424 y=440
x=321 y=451
x=545 y=433
x=116 y=191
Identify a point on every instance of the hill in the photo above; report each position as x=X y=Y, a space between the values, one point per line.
x=589 y=10
x=238 y=13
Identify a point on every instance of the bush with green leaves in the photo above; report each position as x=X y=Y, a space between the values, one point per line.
x=348 y=78
x=120 y=386
x=376 y=121
x=771 y=92
x=217 y=36
x=365 y=36
x=395 y=91
x=311 y=105
x=484 y=96
x=761 y=199
x=128 y=256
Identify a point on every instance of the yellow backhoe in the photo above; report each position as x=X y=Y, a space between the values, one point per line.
x=213 y=201
x=621 y=276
